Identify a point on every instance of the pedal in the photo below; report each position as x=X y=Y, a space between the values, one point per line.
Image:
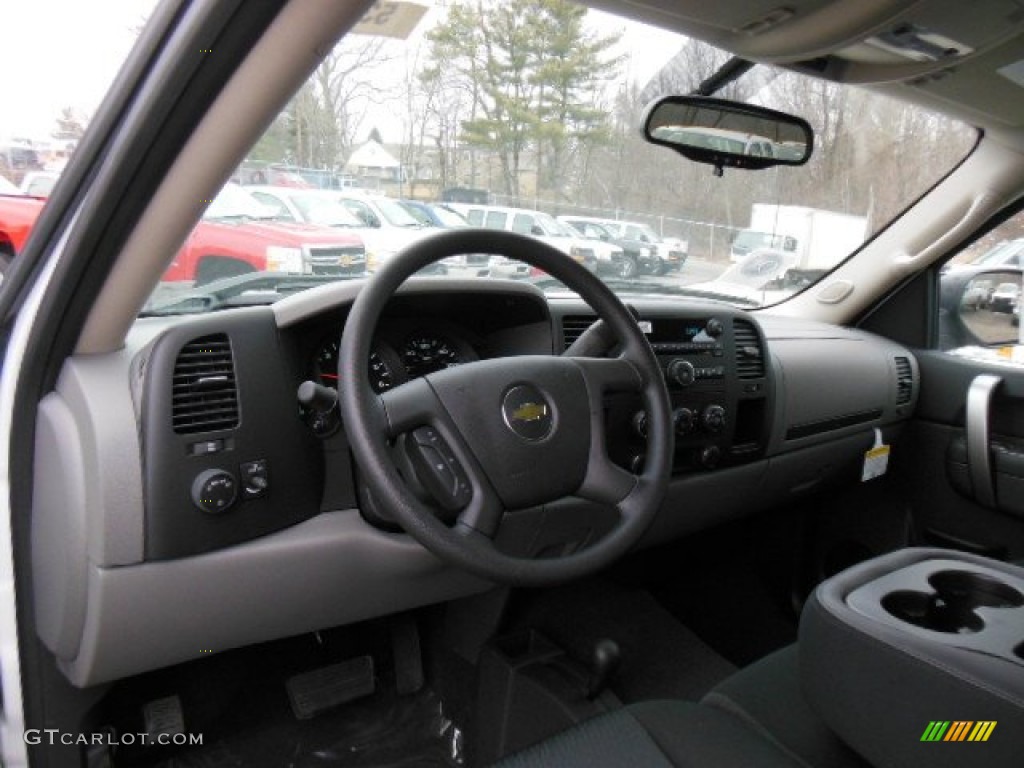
x=164 y=717
x=405 y=648
x=310 y=693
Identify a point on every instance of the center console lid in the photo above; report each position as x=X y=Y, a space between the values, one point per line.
x=917 y=658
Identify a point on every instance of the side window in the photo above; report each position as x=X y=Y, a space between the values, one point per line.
x=495 y=220
x=475 y=217
x=980 y=295
x=522 y=223
x=280 y=209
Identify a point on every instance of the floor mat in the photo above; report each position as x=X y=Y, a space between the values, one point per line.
x=239 y=703
x=661 y=658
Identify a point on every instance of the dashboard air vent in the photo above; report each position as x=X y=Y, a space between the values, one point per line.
x=205 y=395
x=749 y=353
x=904 y=381
x=573 y=327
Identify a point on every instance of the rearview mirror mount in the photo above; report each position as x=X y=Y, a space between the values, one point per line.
x=728 y=134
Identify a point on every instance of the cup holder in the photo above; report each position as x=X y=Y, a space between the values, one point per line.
x=976 y=589
x=951 y=607
x=931 y=612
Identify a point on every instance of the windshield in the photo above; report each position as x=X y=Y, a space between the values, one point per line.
x=436 y=117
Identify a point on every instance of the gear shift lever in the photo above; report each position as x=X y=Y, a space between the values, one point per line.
x=604 y=660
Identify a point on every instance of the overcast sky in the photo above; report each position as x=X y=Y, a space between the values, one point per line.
x=65 y=53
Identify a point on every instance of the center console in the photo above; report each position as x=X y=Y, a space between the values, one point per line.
x=715 y=367
x=917 y=658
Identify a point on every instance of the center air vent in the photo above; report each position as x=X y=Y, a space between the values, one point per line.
x=205 y=395
x=749 y=353
x=904 y=381
x=573 y=327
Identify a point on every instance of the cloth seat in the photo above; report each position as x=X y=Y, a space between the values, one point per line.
x=656 y=734
x=767 y=696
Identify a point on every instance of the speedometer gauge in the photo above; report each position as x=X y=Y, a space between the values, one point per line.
x=426 y=353
x=382 y=377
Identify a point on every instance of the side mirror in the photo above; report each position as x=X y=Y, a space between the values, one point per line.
x=536 y=230
x=724 y=133
x=980 y=307
x=789 y=244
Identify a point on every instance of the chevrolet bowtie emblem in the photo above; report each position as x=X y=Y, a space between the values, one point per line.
x=530 y=412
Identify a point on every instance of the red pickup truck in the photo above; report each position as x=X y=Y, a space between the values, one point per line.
x=235 y=236
x=17 y=215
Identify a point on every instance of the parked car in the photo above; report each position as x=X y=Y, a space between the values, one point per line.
x=18 y=214
x=610 y=257
x=387 y=227
x=238 y=234
x=39 y=183
x=978 y=295
x=533 y=223
x=432 y=215
x=1004 y=298
x=652 y=255
x=636 y=256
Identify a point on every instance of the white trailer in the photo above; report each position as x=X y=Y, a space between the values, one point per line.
x=819 y=239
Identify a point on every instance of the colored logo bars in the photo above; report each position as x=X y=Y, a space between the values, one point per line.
x=958 y=730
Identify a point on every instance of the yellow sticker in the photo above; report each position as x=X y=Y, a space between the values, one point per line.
x=387 y=18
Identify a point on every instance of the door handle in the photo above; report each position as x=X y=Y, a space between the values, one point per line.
x=979 y=462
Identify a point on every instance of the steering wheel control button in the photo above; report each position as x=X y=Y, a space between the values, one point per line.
x=438 y=469
x=640 y=423
x=255 y=478
x=527 y=412
x=214 y=491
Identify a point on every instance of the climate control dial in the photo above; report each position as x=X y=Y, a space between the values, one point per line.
x=713 y=419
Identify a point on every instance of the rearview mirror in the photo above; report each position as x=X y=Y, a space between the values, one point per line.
x=728 y=134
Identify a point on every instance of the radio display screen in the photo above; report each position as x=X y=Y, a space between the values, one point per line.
x=677 y=330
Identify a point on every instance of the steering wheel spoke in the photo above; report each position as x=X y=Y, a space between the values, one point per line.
x=413 y=404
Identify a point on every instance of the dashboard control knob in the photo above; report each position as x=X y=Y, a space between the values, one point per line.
x=710 y=455
x=214 y=491
x=640 y=423
x=713 y=419
x=682 y=372
x=714 y=327
x=683 y=419
x=636 y=464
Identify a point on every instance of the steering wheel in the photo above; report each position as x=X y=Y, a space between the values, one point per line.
x=508 y=433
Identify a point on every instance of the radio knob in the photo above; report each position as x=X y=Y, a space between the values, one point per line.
x=640 y=423
x=714 y=327
x=682 y=372
x=713 y=418
x=683 y=419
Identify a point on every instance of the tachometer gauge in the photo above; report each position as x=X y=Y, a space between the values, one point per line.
x=426 y=353
x=379 y=370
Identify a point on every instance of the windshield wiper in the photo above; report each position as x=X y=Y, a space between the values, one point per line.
x=252 y=289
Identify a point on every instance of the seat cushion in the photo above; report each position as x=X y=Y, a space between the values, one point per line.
x=768 y=697
x=655 y=734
